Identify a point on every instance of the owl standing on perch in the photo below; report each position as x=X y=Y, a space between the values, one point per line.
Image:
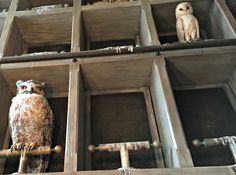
x=31 y=122
x=186 y=24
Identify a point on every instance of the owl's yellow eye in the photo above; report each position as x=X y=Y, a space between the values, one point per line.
x=187 y=7
x=23 y=87
x=181 y=9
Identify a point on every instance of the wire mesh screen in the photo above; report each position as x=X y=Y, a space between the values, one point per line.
x=120 y=118
x=207 y=113
x=56 y=161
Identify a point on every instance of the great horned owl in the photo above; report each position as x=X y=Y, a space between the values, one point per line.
x=31 y=122
x=186 y=24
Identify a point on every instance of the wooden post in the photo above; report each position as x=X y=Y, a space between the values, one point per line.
x=71 y=148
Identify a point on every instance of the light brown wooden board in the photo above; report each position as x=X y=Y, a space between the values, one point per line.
x=200 y=70
x=5 y=4
x=56 y=78
x=116 y=22
x=45 y=28
x=117 y=74
x=71 y=149
x=15 y=44
x=174 y=147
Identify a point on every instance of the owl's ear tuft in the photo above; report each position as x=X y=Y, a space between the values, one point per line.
x=18 y=83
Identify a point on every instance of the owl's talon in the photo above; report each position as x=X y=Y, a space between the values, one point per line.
x=30 y=146
x=17 y=147
x=27 y=147
x=33 y=145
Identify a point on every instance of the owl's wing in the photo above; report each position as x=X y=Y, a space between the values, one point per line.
x=180 y=30
x=48 y=125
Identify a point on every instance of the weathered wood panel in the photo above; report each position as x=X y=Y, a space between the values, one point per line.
x=118 y=74
x=180 y=171
x=5 y=4
x=6 y=32
x=153 y=127
x=56 y=78
x=200 y=70
x=148 y=34
x=76 y=40
x=5 y=101
x=56 y=29
x=71 y=149
x=176 y=152
x=111 y=22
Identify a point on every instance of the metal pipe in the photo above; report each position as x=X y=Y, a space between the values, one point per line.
x=96 y=53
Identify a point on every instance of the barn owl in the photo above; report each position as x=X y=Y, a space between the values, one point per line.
x=186 y=24
x=30 y=121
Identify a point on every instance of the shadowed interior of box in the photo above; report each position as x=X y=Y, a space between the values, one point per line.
x=120 y=118
x=104 y=44
x=206 y=113
x=56 y=161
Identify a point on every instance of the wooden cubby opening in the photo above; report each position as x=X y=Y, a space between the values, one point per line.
x=129 y=78
x=57 y=94
x=204 y=89
x=208 y=13
x=121 y=27
x=31 y=4
x=232 y=6
x=2 y=21
x=30 y=33
x=5 y=4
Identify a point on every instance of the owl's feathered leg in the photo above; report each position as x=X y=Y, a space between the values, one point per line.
x=37 y=164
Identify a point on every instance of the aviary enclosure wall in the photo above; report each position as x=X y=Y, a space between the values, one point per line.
x=169 y=96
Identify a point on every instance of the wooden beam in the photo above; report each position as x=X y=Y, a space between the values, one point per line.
x=5 y=101
x=153 y=127
x=71 y=148
x=7 y=27
x=76 y=40
x=148 y=33
x=175 y=149
x=180 y=171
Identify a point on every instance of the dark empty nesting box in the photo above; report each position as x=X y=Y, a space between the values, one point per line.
x=57 y=94
x=30 y=34
x=212 y=16
x=111 y=25
x=204 y=90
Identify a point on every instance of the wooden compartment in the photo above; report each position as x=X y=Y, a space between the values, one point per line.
x=204 y=89
x=232 y=6
x=57 y=93
x=111 y=25
x=35 y=4
x=47 y=32
x=212 y=18
x=4 y=5
x=118 y=108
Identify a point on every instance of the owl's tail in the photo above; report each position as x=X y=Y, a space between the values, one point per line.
x=37 y=164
